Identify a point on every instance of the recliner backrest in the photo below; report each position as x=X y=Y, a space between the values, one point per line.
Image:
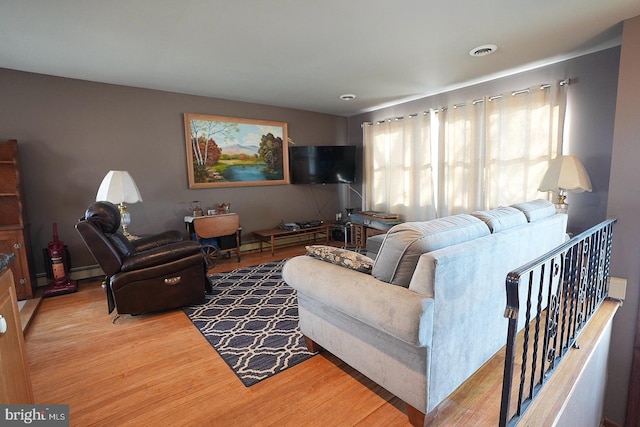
x=105 y=215
x=99 y=230
x=103 y=250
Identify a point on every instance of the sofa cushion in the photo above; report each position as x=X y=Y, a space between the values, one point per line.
x=341 y=257
x=404 y=243
x=536 y=209
x=501 y=218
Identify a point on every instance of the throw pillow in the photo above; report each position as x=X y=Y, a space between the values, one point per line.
x=405 y=243
x=342 y=257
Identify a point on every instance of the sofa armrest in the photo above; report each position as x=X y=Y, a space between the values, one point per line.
x=402 y=313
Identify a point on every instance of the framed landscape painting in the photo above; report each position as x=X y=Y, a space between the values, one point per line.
x=234 y=152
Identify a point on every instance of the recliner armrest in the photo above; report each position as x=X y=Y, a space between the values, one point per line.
x=148 y=242
x=160 y=255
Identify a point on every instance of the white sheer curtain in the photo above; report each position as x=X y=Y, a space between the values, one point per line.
x=461 y=148
x=399 y=170
x=476 y=155
x=524 y=132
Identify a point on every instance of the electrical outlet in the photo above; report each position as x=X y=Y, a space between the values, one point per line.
x=617 y=288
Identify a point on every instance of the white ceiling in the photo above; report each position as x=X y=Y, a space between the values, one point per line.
x=301 y=53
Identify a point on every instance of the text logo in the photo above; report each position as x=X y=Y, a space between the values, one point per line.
x=35 y=415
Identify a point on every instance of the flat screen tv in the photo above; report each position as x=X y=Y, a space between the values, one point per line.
x=322 y=164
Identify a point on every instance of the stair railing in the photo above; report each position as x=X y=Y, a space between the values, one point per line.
x=563 y=289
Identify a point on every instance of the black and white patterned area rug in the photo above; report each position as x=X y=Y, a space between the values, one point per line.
x=251 y=319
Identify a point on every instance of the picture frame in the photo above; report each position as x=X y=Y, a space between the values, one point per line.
x=235 y=152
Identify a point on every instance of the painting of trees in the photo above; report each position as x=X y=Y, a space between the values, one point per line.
x=225 y=151
x=205 y=150
x=271 y=152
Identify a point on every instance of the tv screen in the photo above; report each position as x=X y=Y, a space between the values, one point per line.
x=322 y=164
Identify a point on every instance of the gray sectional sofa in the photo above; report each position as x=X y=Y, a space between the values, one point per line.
x=428 y=312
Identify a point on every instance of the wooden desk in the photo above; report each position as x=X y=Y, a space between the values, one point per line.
x=273 y=234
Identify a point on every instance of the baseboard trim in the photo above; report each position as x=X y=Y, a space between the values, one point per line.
x=78 y=273
x=94 y=271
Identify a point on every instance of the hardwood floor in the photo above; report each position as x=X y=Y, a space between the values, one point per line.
x=159 y=370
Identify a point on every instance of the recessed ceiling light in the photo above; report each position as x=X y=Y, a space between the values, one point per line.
x=484 y=50
x=348 y=97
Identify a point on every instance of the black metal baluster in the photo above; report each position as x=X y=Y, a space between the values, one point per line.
x=525 y=345
x=536 y=335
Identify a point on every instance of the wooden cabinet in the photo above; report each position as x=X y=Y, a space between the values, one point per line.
x=14 y=226
x=15 y=383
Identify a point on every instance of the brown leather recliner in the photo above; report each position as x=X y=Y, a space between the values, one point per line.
x=149 y=274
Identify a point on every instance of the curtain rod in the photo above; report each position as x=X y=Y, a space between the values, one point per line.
x=542 y=86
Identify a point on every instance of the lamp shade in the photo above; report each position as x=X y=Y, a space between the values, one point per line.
x=118 y=187
x=565 y=173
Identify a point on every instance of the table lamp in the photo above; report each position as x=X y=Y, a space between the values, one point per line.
x=118 y=187
x=565 y=173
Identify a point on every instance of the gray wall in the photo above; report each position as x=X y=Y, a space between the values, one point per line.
x=624 y=204
x=71 y=133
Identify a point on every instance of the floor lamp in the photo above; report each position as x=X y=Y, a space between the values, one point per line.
x=118 y=187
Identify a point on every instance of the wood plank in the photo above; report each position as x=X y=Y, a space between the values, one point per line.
x=28 y=311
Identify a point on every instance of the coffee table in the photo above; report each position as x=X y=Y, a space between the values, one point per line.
x=273 y=234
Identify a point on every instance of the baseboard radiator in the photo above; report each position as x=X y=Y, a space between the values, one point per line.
x=94 y=271
x=564 y=289
x=79 y=273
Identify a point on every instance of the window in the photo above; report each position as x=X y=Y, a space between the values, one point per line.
x=475 y=155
